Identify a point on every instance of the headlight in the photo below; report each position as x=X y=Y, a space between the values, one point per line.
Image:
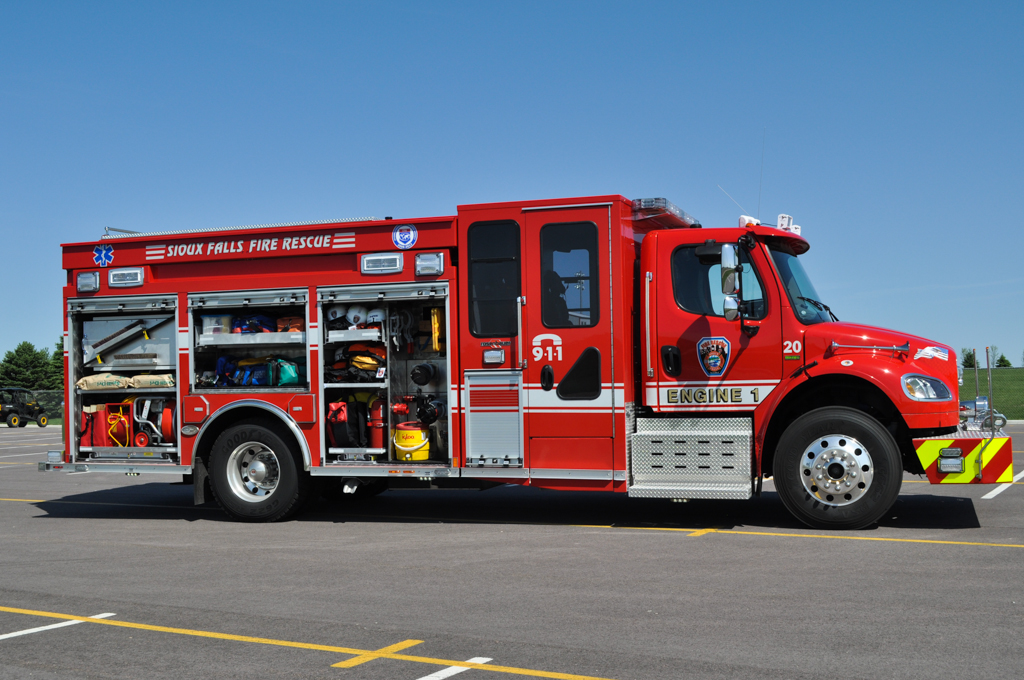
x=923 y=388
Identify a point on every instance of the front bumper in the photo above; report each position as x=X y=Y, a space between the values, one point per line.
x=983 y=458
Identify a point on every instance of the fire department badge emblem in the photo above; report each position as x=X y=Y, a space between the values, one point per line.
x=404 y=236
x=713 y=354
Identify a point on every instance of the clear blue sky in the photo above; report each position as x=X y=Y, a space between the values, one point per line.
x=894 y=130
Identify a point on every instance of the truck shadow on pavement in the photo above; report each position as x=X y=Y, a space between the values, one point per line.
x=508 y=505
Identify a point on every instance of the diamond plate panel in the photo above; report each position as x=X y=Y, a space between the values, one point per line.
x=630 y=429
x=724 y=492
x=691 y=458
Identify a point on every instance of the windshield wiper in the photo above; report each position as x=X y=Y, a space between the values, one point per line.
x=821 y=307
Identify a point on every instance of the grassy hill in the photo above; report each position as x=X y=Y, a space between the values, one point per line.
x=1007 y=390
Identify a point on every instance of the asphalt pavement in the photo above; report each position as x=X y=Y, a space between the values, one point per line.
x=510 y=582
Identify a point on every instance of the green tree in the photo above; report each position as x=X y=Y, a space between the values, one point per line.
x=1003 y=362
x=967 y=357
x=25 y=366
x=55 y=368
x=993 y=352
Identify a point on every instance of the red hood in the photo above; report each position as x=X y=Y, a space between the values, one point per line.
x=819 y=338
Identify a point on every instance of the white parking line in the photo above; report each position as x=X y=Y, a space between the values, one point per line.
x=1001 y=488
x=40 y=629
x=19 y=455
x=454 y=670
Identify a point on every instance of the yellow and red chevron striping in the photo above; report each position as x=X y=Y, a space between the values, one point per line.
x=996 y=458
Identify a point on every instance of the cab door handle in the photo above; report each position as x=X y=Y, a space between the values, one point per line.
x=671 y=360
x=547 y=378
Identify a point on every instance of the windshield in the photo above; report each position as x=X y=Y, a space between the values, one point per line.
x=808 y=307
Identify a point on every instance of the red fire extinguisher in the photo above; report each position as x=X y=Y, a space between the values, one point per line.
x=377 y=424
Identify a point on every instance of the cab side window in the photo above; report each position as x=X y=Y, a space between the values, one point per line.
x=568 y=275
x=697 y=282
x=493 y=279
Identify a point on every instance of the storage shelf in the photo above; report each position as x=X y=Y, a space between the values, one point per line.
x=354 y=335
x=373 y=452
x=107 y=450
x=128 y=390
x=124 y=368
x=328 y=386
x=264 y=389
x=245 y=339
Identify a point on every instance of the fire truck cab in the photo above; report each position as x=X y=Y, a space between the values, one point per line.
x=593 y=343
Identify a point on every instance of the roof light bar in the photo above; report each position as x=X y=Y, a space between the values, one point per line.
x=660 y=209
x=786 y=224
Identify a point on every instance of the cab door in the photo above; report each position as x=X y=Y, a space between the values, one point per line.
x=568 y=338
x=706 y=363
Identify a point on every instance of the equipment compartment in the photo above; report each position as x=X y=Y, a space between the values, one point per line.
x=249 y=341
x=123 y=377
x=385 y=376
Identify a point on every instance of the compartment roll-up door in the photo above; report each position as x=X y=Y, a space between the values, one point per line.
x=260 y=298
x=384 y=291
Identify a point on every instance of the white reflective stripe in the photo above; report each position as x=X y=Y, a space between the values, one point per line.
x=716 y=383
x=52 y=626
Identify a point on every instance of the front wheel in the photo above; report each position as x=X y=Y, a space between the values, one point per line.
x=837 y=468
x=256 y=476
x=42 y=420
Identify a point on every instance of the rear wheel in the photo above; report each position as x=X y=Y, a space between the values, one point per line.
x=256 y=475
x=23 y=423
x=837 y=468
x=13 y=420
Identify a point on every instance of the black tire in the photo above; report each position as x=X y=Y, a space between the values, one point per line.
x=42 y=420
x=13 y=420
x=283 y=488
x=23 y=422
x=837 y=468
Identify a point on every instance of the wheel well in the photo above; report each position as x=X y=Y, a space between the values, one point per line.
x=225 y=419
x=839 y=390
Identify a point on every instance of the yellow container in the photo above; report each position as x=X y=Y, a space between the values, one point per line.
x=412 y=441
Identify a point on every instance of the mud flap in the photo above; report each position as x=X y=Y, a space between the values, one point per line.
x=200 y=482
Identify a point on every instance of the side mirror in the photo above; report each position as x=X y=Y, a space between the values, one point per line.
x=731 y=307
x=730 y=270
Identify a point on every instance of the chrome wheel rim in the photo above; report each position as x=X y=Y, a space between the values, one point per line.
x=836 y=470
x=253 y=472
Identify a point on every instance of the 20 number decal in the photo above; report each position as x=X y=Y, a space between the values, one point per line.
x=792 y=347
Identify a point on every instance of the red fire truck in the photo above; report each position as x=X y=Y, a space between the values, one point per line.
x=592 y=344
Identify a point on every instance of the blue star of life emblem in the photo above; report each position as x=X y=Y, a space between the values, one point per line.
x=103 y=255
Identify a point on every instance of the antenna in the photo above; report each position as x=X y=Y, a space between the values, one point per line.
x=764 y=135
x=732 y=199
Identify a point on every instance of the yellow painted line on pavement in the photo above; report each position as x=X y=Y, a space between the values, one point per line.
x=702 y=532
x=363 y=658
x=119 y=505
x=869 y=538
x=511 y=670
